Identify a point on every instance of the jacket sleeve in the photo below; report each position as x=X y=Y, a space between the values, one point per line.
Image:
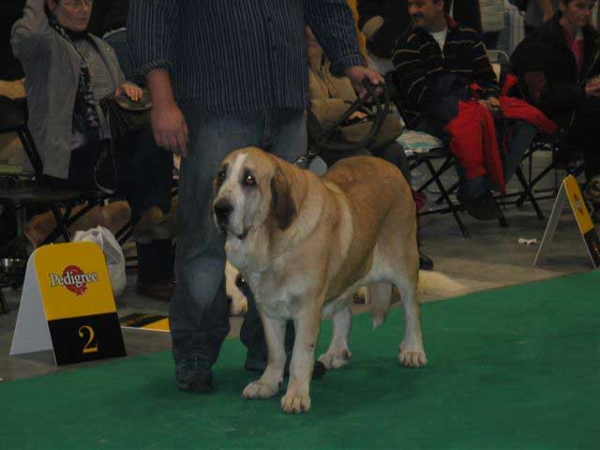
x=30 y=34
x=333 y=26
x=414 y=74
x=367 y=9
x=482 y=70
x=151 y=25
x=534 y=68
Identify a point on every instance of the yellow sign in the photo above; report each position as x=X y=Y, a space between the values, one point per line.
x=67 y=305
x=74 y=281
x=582 y=216
x=569 y=189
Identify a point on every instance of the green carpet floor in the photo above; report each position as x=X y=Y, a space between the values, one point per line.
x=514 y=368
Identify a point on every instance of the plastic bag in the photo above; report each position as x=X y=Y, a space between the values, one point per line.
x=115 y=260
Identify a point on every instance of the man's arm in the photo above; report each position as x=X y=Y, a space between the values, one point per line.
x=332 y=23
x=412 y=74
x=151 y=25
x=534 y=67
x=482 y=70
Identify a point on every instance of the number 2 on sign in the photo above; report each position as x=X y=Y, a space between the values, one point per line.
x=89 y=348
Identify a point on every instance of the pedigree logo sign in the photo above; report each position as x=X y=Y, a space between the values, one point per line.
x=68 y=306
x=74 y=279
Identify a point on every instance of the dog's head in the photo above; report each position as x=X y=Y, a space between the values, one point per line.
x=250 y=190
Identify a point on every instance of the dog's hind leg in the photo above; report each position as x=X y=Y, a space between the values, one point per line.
x=337 y=354
x=270 y=381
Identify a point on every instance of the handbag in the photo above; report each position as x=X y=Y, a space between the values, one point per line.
x=352 y=132
x=125 y=116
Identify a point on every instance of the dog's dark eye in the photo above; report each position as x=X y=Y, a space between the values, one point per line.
x=249 y=179
x=222 y=174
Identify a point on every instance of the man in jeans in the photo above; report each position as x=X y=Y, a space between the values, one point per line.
x=224 y=75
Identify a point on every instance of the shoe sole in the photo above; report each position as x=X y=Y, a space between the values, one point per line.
x=191 y=388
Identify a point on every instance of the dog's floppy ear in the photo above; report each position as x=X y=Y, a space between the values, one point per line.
x=283 y=207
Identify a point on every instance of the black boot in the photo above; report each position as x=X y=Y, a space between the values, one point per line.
x=155 y=269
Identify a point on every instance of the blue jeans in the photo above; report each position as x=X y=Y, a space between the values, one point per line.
x=198 y=315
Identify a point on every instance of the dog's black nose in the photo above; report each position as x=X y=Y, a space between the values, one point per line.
x=222 y=210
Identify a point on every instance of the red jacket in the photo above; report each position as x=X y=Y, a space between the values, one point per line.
x=473 y=136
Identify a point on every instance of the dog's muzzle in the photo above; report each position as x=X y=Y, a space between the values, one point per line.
x=222 y=210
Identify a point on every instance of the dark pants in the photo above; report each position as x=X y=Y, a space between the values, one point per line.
x=140 y=171
x=584 y=135
x=136 y=168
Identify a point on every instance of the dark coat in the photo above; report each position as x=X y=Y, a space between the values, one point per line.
x=548 y=73
x=10 y=12
x=397 y=20
x=108 y=15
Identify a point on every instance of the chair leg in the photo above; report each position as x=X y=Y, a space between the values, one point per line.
x=451 y=189
x=61 y=225
x=529 y=193
x=519 y=202
x=3 y=306
x=451 y=206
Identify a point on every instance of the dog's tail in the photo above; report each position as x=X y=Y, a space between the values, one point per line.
x=435 y=284
x=438 y=285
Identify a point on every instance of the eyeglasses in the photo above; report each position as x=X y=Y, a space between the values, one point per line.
x=78 y=4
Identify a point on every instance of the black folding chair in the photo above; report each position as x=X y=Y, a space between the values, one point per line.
x=13 y=118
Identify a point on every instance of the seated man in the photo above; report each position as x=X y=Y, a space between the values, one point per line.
x=558 y=67
x=449 y=89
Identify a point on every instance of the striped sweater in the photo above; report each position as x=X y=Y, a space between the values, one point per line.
x=420 y=64
x=237 y=56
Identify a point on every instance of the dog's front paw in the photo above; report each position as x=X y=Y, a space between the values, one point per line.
x=335 y=360
x=293 y=402
x=412 y=357
x=258 y=389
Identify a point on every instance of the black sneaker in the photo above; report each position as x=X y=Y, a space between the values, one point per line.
x=253 y=365
x=483 y=207
x=425 y=262
x=194 y=375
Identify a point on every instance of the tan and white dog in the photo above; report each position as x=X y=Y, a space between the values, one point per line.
x=306 y=244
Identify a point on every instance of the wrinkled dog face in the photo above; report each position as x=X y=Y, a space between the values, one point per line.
x=242 y=194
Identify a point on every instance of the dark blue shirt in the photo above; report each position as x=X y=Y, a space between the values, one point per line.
x=236 y=56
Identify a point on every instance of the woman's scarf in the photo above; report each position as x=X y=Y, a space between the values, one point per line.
x=85 y=115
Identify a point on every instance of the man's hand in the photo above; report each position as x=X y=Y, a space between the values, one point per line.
x=168 y=124
x=592 y=87
x=169 y=127
x=357 y=74
x=131 y=90
x=492 y=104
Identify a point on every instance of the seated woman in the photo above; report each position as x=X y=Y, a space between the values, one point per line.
x=559 y=68
x=68 y=73
x=330 y=98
